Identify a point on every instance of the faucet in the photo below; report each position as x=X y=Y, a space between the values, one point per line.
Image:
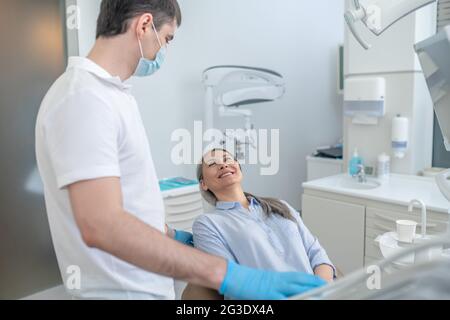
x=362 y=178
x=422 y=205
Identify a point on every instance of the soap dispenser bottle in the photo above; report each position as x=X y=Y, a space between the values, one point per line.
x=355 y=163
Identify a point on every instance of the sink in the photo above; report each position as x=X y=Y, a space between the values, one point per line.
x=352 y=183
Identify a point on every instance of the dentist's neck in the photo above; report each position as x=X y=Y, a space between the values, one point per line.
x=233 y=194
x=116 y=55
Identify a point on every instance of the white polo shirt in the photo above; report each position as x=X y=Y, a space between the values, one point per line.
x=89 y=127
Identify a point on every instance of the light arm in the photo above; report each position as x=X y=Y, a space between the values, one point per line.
x=379 y=15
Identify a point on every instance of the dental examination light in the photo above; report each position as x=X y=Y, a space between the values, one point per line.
x=379 y=15
x=230 y=87
x=434 y=56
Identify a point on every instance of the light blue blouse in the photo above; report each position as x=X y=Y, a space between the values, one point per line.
x=250 y=238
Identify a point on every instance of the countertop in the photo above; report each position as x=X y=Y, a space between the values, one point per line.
x=399 y=190
x=324 y=160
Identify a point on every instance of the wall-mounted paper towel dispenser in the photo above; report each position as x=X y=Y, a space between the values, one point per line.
x=364 y=99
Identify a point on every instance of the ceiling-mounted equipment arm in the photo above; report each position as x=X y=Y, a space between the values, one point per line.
x=229 y=87
x=379 y=15
x=351 y=17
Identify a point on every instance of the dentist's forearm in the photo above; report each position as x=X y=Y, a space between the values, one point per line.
x=131 y=240
x=98 y=210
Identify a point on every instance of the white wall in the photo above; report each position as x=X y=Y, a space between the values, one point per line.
x=89 y=10
x=297 y=38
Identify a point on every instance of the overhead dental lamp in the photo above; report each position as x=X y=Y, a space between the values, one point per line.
x=228 y=88
x=379 y=15
x=434 y=56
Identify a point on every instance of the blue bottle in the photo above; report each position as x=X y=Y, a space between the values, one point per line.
x=354 y=164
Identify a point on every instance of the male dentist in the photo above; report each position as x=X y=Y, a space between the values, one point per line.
x=104 y=205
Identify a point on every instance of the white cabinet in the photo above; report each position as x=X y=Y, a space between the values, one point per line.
x=317 y=168
x=183 y=205
x=182 y=210
x=379 y=221
x=348 y=226
x=339 y=226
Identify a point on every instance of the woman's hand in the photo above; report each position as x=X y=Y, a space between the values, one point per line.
x=325 y=272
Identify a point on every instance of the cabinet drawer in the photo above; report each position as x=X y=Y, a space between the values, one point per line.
x=405 y=214
x=383 y=226
x=189 y=215
x=183 y=200
x=385 y=221
x=181 y=210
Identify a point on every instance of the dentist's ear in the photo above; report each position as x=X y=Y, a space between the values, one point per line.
x=143 y=23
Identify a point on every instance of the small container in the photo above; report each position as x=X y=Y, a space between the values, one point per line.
x=406 y=230
x=400 y=136
x=384 y=167
x=354 y=164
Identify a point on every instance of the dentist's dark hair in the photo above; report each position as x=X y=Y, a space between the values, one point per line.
x=269 y=205
x=115 y=15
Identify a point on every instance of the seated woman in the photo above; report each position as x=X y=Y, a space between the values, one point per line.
x=262 y=233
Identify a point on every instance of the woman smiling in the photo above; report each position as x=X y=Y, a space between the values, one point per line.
x=263 y=233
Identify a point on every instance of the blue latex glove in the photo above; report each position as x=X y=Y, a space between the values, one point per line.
x=244 y=283
x=184 y=237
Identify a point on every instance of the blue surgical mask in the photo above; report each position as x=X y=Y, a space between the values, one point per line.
x=147 y=67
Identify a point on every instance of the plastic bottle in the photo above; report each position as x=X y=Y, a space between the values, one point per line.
x=355 y=162
x=384 y=166
x=400 y=134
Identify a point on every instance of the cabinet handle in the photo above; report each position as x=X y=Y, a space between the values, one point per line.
x=393 y=220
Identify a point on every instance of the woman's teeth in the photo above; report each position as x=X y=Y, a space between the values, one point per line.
x=226 y=175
